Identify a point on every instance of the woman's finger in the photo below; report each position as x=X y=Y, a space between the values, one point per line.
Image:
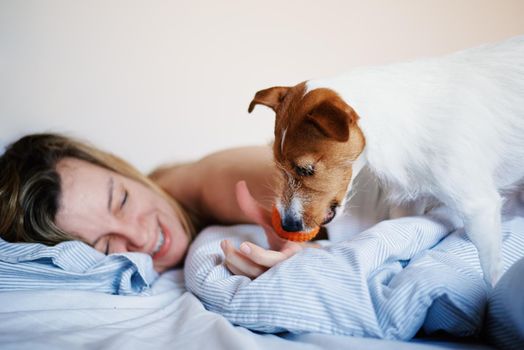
x=280 y=244
x=291 y=249
x=261 y=216
x=238 y=264
x=274 y=240
x=250 y=206
x=261 y=256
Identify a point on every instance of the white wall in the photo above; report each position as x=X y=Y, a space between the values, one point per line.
x=155 y=81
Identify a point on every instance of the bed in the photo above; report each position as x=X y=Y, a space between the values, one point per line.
x=172 y=318
x=307 y=302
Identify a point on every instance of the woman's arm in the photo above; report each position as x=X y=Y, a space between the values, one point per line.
x=213 y=188
x=207 y=186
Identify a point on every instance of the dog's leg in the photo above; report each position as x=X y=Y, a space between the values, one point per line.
x=482 y=222
x=413 y=208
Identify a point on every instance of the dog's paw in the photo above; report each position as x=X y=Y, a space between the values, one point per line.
x=492 y=270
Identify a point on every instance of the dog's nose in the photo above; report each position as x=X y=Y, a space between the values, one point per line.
x=292 y=224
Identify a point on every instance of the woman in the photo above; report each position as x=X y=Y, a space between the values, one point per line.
x=54 y=188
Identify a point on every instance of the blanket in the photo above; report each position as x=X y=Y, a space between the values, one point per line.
x=387 y=282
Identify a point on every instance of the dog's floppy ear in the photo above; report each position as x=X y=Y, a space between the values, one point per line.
x=271 y=97
x=333 y=119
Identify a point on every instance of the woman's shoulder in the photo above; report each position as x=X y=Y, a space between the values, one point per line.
x=207 y=186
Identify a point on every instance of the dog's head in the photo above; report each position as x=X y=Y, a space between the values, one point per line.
x=317 y=138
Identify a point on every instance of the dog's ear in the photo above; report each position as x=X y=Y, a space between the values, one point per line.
x=333 y=119
x=271 y=97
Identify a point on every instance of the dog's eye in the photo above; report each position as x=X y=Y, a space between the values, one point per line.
x=307 y=170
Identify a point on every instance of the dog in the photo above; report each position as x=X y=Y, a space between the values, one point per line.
x=449 y=128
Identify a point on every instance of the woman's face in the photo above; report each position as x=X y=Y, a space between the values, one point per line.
x=116 y=214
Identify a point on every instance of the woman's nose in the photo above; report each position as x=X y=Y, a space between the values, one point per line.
x=137 y=237
x=137 y=243
x=138 y=240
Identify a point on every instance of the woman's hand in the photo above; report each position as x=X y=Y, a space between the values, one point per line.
x=251 y=260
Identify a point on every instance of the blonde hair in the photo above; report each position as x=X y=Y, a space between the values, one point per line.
x=30 y=186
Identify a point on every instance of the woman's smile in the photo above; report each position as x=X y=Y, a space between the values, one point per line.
x=116 y=214
x=163 y=243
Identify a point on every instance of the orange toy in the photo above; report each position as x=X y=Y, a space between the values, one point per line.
x=299 y=236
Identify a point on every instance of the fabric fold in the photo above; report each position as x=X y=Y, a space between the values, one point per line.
x=387 y=282
x=73 y=265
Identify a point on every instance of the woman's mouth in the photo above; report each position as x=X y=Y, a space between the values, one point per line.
x=160 y=242
x=163 y=243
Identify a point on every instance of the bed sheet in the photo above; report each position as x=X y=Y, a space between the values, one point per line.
x=171 y=318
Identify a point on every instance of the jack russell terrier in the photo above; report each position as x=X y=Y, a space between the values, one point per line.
x=448 y=128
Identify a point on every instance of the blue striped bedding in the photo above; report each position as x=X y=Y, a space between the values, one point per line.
x=388 y=282
x=73 y=265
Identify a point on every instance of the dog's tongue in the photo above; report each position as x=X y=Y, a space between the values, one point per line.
x=251 y=208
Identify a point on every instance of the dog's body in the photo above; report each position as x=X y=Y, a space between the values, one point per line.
x=451 y=128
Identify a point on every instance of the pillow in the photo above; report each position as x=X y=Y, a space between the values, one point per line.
x=73 y=265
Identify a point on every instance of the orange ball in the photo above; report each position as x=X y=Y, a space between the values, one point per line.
x=299 y=236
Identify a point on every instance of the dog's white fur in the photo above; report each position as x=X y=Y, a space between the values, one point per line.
x=449 y=127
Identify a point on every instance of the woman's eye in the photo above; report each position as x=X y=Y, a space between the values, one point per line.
x=106 y=250
x=102 y=245
x=124 y=199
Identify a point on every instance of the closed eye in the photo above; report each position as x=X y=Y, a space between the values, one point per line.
x=124 y=199
x=108 y=244
x=102 y=244
x=304 y=171
x=106 y=250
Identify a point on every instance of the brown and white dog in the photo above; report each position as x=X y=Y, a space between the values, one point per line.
x=450 y=128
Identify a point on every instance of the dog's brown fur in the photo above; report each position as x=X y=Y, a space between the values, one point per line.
x=322 y=132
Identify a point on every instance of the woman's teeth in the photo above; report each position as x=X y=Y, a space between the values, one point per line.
x=160 y=242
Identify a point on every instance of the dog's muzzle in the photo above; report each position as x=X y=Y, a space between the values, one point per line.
x=291 y=223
